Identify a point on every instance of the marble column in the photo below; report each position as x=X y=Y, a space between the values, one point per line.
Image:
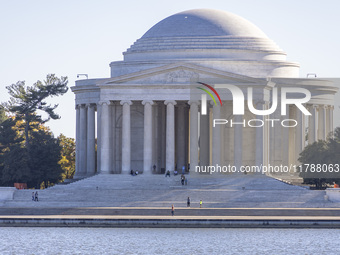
x=113 y=167
x=147 y=162
x=99 y=129
x=170 y=135
x=105 y=137
x=216 y=136
x=331 y=115
x=312 y=126
x=77 y=170
x=186 y=135
x=91 y=140
x=228 y=134
x=204 y=143
x=292 y=137
x=193 y=135
x=156 y=134
x=83 y=140
x=277 y=130
x=299 y=134
x=285 y=139
x=126 y=137
x=266 y=136
x=328 y=127
x=238 y=140
x=322 y=123
x=325 y=124
x=180 y=137
x=259 y=137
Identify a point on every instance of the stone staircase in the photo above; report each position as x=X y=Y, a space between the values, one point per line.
x=159 y=191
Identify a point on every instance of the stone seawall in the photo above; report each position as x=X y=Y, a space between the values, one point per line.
x=171 y=222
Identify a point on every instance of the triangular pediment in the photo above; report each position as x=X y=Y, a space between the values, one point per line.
x=179 y=73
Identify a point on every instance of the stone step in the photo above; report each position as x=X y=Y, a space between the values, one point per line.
x=157 y=190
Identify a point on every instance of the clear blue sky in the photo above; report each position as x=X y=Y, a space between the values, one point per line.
x=70 y=37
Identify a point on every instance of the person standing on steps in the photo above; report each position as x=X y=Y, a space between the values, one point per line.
x=188 y=202
x=172 y=210
x=201 y=202
x=182 y=179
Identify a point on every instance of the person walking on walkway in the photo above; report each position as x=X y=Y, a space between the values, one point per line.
x=201 y=203
x=33 y=197
x=36 y=196
x=172 y=210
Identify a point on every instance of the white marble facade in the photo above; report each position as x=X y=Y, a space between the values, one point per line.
x=143 y=114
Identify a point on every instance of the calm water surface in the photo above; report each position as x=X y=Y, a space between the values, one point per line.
x=168 y=241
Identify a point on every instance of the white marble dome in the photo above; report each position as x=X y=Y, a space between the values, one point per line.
x=210 y=38
x=204 y=22
x=219 y=33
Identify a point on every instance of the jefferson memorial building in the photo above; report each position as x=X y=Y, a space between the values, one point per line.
x=145 y=118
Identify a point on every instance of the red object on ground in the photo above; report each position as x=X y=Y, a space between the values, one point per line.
x=20 y=185
x=336 y=185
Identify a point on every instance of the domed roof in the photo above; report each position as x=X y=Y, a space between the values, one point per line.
x=204 y=33
x=204 y=22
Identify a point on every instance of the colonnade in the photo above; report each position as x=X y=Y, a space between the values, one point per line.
x=320 y=123
x=85 y=137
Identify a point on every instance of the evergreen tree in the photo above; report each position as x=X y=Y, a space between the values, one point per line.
x=25 y=101
x=28 y=151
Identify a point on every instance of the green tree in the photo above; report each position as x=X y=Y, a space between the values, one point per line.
x=34 y=167
x=25 y=101
x=321 y=160
x=28 y=151
x=67 y=161
x=13 y=157
x=44 y=157
x=3 y=116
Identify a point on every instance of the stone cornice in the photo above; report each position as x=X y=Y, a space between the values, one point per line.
x=176 y=66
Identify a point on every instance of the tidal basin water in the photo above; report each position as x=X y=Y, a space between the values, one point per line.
x=167 y=241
